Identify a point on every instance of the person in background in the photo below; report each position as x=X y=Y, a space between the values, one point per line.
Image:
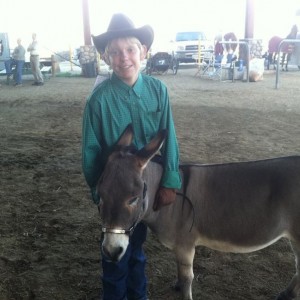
x=128 y=96
x=230 y=48
x=35 y=61
x=18 y=57
x=17 y=60
x=218 y=49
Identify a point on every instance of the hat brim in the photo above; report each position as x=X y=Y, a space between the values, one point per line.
x=144 y=34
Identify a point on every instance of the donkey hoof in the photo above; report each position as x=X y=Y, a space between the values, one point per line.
x=176 y=287
x=284 y=296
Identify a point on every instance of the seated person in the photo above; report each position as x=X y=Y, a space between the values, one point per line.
x=230 y=48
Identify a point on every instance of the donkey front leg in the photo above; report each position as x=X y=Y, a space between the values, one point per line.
x=185 y=274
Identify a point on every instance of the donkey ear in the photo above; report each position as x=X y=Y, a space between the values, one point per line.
x=126 y=137
x=146 y=153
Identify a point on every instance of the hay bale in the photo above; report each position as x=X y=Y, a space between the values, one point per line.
x=256 y=69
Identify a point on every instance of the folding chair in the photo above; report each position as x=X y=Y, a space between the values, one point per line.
x=211 y=66
x=204 y=63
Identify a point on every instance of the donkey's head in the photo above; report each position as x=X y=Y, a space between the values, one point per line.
x=123 y=197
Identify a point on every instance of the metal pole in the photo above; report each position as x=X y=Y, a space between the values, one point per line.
x=70 y=55
x=249 y=19
x=284 y=41
x=86 y=23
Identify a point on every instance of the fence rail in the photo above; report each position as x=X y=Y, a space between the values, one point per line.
x=284 y=41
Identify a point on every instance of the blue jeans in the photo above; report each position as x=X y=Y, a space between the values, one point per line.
x=19 y=67
x=218 y=58
x=126 y=280
x=8 y=65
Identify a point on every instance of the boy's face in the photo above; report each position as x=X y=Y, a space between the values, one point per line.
x=124 y=57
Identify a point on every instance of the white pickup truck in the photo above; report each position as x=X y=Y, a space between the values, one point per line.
x=186 y=45
x=4 y=49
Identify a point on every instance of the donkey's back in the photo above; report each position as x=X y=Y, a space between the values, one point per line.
x=234 y=207
x=242 y=207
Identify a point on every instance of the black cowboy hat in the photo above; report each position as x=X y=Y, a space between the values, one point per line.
x=121 y=26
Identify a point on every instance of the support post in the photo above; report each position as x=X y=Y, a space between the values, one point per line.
x=86 y=22
x=284 y=41
x=53 y=65
x=249 y=19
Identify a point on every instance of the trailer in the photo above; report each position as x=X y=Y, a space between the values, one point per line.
x=4 y=49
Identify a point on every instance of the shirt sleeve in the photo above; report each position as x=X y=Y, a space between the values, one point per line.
x=170 y=150
x=91 y=147
x=30 y=47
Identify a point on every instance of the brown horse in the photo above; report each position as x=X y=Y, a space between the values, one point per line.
x=287 y=49
x=233 y=207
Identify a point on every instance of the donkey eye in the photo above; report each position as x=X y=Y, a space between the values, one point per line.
x=133 y=201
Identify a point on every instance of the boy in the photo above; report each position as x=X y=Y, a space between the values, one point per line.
x=128 y=97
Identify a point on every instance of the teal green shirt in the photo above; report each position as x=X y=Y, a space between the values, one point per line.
x=110 y=108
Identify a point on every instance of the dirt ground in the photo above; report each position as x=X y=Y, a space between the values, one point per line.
x=49 y=228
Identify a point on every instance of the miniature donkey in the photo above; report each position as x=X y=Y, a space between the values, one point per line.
x=232 y=207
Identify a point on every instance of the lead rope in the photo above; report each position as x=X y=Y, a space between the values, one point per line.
x=185 y=197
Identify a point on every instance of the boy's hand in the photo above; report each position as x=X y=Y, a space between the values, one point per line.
x=164 y=196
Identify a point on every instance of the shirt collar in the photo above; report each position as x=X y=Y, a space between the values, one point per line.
x=137 y=88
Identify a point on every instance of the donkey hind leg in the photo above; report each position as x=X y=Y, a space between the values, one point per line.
x=293 y=289
x=185 y=275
